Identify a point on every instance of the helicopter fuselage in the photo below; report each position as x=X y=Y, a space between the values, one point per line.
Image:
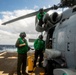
x=64 y=39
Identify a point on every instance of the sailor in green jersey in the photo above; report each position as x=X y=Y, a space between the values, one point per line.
x=40 y=16
x=22 y=48
x=39 y=46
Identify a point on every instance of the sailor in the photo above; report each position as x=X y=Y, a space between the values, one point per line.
x=39 y=46
x=40 y=16
x=22 y=48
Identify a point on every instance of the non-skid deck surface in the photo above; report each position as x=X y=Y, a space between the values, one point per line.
x=8 y=64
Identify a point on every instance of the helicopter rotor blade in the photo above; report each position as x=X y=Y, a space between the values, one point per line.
x=21 y=17
x=28 y=15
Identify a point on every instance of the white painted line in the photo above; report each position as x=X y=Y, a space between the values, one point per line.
x=2 y=53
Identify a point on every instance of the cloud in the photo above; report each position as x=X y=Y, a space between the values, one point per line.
x=7 y=37
x=11 y=31
x=27 y=25
x=36 y=7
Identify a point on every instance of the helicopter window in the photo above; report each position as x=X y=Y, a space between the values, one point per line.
x=63 y=20
x=74 y=9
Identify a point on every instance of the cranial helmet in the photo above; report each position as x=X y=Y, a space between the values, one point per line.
x=40 y=37
x=22 y=34
x=41 y=10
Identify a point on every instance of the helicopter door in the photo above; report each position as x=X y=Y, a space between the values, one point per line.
x=59 y=39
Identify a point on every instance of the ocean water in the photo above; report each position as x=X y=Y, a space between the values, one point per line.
x=15 y=50
x=12 y=48
x=2 y=50
x=9 y=49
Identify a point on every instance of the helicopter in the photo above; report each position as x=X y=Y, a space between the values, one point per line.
x=61 y=29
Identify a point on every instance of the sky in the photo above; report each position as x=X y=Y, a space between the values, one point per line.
x=10 y=9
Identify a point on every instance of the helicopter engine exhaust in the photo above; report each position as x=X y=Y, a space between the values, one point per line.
x=55 y=18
